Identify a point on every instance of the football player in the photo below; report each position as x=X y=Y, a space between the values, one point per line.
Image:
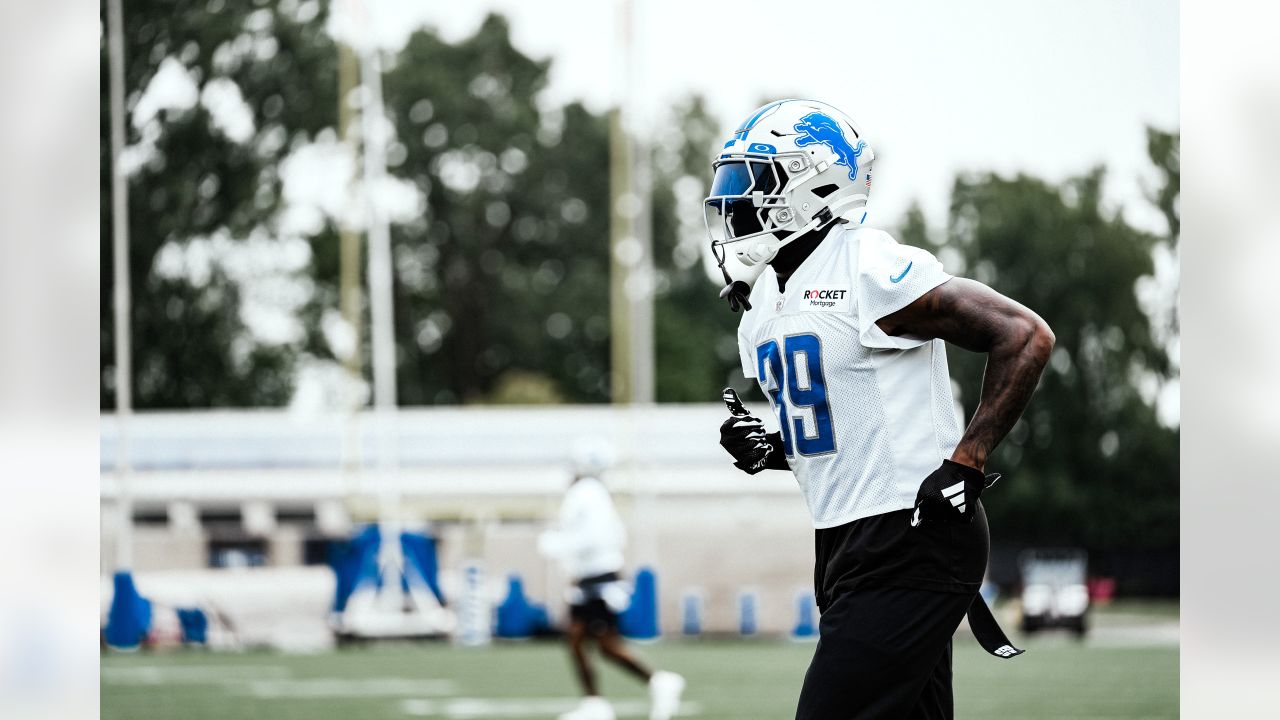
x=588 y=542
x=844 y=330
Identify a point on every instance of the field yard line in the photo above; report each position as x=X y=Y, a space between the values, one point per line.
x=336 y=687
x=480 y=708
x=190 y=674
x=1168 y=634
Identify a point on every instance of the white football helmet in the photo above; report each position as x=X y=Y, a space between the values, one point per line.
x=792 y=166
x=591 y=456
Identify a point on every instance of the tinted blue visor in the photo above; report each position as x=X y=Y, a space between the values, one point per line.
x=743 y=178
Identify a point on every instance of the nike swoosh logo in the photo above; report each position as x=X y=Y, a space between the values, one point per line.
x=903 y=274
x=915 y=518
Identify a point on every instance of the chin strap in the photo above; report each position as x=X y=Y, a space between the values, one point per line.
x=738 y=292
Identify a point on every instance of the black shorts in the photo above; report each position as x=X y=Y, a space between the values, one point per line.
x=593 y=610
x=883 y=653
x=885 y=550
x=596 y=614
x=891 y=597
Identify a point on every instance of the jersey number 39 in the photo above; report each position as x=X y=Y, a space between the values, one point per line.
x=806 y=390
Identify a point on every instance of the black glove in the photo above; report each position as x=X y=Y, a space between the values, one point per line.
x=744 y=437
x=950 y=494
x=737 y=293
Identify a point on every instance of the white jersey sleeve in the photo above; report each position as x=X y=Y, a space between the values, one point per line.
x=746 y=345
x=890 y=277
x=746 y=351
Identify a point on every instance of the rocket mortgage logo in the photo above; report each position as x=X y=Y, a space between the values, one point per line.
x=833 y=298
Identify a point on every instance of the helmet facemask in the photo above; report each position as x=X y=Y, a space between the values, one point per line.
x=750 y=205
x=747 y=208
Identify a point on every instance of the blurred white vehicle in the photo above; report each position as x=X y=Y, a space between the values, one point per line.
x=1054 y=594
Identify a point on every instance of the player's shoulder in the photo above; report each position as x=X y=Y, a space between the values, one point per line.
x=876 y=250
x=868 y=234
x=871 y=242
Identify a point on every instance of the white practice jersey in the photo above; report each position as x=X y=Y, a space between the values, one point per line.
x=865 y=416
x=590 y=536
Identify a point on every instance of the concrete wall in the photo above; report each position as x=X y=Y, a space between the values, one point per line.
x=704 y=543
x=488 y=480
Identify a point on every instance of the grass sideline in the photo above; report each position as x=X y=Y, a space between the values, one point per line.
x=728 y=680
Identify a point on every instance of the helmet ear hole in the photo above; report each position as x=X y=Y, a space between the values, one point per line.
x=824 y=190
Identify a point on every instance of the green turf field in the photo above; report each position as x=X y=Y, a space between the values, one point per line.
x=1057 y=678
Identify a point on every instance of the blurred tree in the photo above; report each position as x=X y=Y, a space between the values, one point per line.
x=695 y=333
x=1089 y=463
x=505 y=277
x=1164 y=149
x=216 y=97
x=504 y=272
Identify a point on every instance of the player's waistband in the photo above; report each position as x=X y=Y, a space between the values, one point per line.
x=599 y=579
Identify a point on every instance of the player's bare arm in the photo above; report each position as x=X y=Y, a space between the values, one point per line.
x=1017 y=343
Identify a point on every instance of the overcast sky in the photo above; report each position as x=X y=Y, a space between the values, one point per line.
x=1048 y=87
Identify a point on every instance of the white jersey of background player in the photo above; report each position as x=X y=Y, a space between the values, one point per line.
x=817 y=346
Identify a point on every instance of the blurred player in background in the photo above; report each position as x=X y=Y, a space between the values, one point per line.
x=844 y=331
x=588 y=542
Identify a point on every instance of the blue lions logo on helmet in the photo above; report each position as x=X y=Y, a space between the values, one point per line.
x=817 y=128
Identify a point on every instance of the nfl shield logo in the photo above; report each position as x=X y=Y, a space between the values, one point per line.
x=777 y=307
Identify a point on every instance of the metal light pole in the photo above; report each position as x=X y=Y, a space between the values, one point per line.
x=349 y=289
x=373 y=136
x=120 y=278
x=381 y=302
x=631 y=241
x=631 y=264
x=640 y=286
x=373 y=141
